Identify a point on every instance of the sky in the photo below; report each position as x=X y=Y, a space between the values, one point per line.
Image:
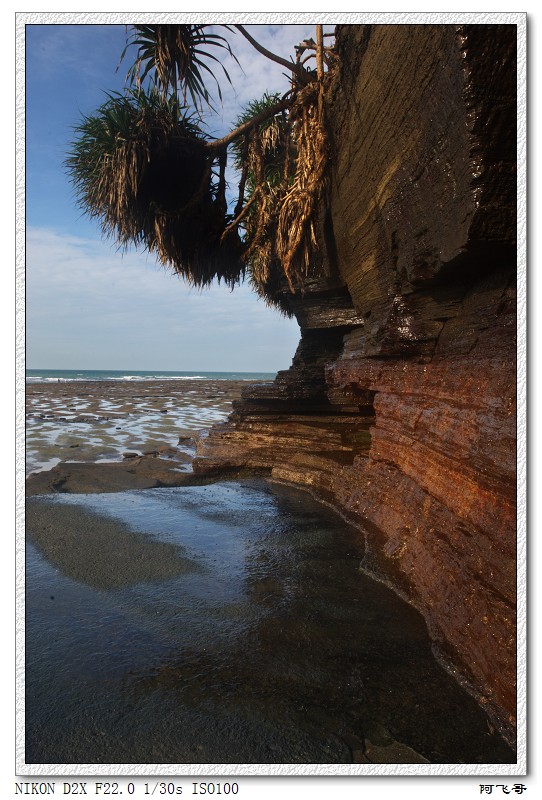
x=89 y=305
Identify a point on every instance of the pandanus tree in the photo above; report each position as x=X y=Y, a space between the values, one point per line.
x=143 y=165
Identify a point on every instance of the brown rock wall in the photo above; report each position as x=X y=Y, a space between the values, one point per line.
x=411 y=154
x=439 y=489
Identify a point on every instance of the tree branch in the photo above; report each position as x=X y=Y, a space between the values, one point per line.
x=299 y=72
x=242 y=214
x=320 y=51
x=218 y=144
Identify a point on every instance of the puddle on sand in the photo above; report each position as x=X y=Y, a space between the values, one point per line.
x=252 y=637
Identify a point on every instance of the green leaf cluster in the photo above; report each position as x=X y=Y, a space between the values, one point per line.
x=140 y=165
x=173 y=56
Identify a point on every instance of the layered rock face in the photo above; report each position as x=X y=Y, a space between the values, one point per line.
x=399 y=407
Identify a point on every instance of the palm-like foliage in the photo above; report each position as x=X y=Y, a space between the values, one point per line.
x=144 y=171
x=297 y=221
x=144 y=168
x=283 y=162
x=173 y=56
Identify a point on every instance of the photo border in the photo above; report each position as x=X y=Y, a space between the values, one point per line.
x=267 y=18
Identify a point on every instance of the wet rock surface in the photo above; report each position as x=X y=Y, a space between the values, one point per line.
x=137 y=473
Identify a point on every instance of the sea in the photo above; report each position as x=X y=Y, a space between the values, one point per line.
x=51 y=375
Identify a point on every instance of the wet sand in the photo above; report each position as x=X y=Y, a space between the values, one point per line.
x=98 y=551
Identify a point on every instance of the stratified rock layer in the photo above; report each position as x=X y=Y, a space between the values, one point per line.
x=399 y=407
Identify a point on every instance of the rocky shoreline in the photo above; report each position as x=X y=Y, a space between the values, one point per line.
x=52 y=528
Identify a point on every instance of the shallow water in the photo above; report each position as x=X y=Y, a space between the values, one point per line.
x=227 y=623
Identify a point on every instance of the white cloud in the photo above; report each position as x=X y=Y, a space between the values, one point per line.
x=90 y=307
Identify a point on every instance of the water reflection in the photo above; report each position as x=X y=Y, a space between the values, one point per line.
x=268 y=646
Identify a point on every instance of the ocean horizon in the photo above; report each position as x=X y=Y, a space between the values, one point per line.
x=62 y=375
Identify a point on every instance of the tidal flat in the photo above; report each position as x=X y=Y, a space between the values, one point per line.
x=100 y=421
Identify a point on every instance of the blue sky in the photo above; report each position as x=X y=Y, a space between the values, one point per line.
x=89 y=306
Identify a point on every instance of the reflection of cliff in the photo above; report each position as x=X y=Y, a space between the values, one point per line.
x=399 y=407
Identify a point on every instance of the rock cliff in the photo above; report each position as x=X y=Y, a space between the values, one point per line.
x=399 y=406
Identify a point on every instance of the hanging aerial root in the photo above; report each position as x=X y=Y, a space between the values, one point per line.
x=283 y=163
x=296 y=237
